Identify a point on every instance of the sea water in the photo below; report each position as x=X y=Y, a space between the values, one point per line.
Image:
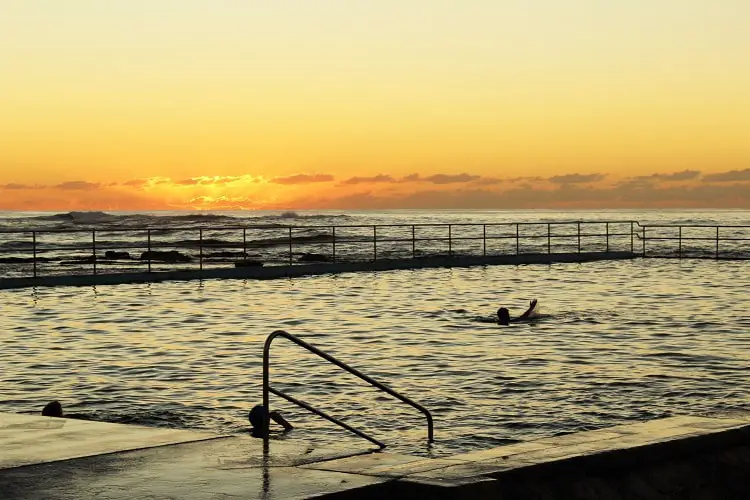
x=614 y=342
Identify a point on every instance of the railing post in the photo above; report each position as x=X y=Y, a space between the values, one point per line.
x=484 y=240
x=290 y=245
x=333 y=243
x=200 y=248
x=148 y=248
x=374 y=243
x=644 y=241
x=244 y=243
x=413 y=242
x=717 y=242
x=93 y=248
x=632 y=240
x=579 y=237
x=33 y=249
x=518 y=240
x=549 y=238
x=607 y=230
x=679 y=242
x=450 y=241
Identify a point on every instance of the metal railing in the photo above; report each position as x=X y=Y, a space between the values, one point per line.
x=46 y=252
x=268 y=389
x=695 y=240
x=34 y=252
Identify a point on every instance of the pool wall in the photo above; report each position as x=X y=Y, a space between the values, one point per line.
x=273 y=272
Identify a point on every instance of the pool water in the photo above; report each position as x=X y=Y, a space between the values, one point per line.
x=615 y=342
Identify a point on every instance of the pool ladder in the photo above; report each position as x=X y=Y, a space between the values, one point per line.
x=268 y=389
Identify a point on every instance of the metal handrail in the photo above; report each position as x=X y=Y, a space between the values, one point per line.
x=267 y=388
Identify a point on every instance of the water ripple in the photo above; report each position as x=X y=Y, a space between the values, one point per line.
x=617 y=342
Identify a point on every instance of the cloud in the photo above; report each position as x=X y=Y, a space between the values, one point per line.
x=576 y=178
x=136 y=183
x=732 y=175
x=381 y=178
x=572 y=196
x=451 y=179
x=410 y=178
x=684 y=175
x=15 y=186
x=78 y=186
x=441 y=178
x=302 y=179
x=216 y=180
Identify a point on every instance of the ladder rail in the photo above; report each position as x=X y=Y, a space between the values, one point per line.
x=268 y=389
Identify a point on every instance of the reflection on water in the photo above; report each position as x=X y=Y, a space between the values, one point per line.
x=617 y=342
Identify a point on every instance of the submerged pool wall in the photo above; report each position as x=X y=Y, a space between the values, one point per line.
x=273 y=272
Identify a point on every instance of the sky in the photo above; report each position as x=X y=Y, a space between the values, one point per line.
x=374 y=104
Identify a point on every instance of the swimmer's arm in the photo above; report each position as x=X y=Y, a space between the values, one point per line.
x=276 y=417
x=528 y=312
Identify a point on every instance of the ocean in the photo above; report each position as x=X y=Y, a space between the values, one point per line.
x=614 y=341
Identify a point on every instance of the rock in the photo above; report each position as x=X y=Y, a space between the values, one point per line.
x=224 y=255
x=114 y=255
x=168 y=256
x=248 y=263
x=314 y=257
x=24 y=260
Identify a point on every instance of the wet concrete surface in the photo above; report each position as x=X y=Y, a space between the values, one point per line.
x=677 y=457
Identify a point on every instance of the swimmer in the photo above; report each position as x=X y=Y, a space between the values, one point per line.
x=53 y=409
x=503 y=315
x=256 y=420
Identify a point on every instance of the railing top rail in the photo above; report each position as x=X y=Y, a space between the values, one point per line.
x=342 y=365
x=305 y=226
x=695 y=225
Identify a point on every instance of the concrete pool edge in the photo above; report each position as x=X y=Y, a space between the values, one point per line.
x=653 y=459
x=274 y=272
x=674 y=455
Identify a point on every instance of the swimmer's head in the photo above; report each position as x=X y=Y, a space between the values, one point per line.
x=503 y=316
x=53 y=409
x=256 y=416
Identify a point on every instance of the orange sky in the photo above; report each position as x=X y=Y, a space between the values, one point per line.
x=223 y=105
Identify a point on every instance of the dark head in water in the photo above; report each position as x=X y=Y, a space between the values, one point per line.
x=503 y=316
x=53 y=409
x=256 y=416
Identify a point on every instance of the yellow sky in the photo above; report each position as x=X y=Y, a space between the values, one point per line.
x=107 y=94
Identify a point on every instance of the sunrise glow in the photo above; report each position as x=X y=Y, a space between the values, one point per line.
x=138 y=105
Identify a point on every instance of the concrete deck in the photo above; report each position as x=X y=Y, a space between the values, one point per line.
x=273 y=272
x=678 y=457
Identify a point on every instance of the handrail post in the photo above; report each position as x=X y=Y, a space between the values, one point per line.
x=679 y=242
x=518 y=240
x=33 y=249
x=333 y=243
x=148 y=248
x=290 y=245
x=717 y=242
x=484 y=240
x=579 y=236
x=413 y=242
x=244 y=243
x=200 y=248
x=374 y=243
x=549 y=238
x=266 y=368
x=93 y=248
x=450 y=241
x=644 y=241
x=632 y=240
x=607 y=231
